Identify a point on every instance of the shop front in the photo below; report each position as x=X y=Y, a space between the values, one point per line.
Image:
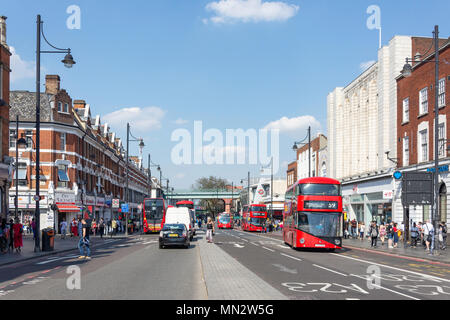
x=66 y=208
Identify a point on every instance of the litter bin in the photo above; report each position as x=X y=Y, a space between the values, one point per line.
x=48 y=239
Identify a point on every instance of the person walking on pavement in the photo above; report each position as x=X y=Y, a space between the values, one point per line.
x=84 y=243
x=209 y=230
x=373 y=231
x=63 y=225
x=395 y=230
x=114 y=227
x=382 y=230
x=362 y=229
x=390 y=234
x=18 y=231
x=80 y=227
x=428 y=231
x=101 y=227
x=11 y=236
x=415 y=235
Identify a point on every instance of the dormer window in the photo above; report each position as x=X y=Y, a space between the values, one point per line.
x=66 y=108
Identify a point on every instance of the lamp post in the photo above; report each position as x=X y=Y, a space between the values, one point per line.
x=68 y=63
x=295 y=148
x=141 y=146
x=407 y=72
x=22 y=143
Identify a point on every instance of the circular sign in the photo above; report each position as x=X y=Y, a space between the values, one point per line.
x=261 y=191
x=36 y=197
x=398 y=175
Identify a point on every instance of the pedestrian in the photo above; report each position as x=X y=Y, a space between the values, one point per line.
x=428 y=232
x=415 y=235
x=79 y=227
x=114 y=227
x=390 y=234
x=395 y=231
x=18 y=231
x=94 y=227
x=101 y=228
x=33 y=228
x=63 y=225
x=209 y=230
x=84 y=243
x=354 y=231
x=73 y=228
x=11 y=236
x=4 y=236
x=420 y=227
x=362 y=229
x=382 y=230
x=374 y=234
x=443 y=235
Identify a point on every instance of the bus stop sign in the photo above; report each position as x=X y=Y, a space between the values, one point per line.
x=417 y=188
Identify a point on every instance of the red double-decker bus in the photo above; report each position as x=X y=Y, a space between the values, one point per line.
x=312 y=215
x=225 y=221
x=254 y=217
x=154 y=213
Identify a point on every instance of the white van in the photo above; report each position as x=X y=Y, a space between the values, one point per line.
x=180 y=215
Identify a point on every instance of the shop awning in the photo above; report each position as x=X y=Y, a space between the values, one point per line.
x=68 y=208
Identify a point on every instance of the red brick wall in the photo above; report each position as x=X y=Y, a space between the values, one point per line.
x=423 y=76
x=4 y=111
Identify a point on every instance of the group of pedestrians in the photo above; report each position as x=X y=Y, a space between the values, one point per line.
x=11 y=236
x=393 y=232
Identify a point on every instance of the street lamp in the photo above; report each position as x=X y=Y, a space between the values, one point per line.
x=248 y=187
x=22 y=143
x=295 y=148
x=271 y=186
x=141 y=146
x=68 y=63
x=407 y=72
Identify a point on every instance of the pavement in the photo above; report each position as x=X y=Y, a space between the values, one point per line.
x=60 y=245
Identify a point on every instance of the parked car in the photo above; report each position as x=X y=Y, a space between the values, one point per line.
x=174 y=235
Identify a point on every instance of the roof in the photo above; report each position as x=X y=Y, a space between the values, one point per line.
x=23 y=103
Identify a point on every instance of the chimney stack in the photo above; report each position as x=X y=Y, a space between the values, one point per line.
x=3 y=31
x=52 y=84
x=79 y=104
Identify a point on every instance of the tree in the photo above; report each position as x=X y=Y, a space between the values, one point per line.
x=212 y=184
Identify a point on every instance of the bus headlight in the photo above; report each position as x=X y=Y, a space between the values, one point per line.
x=337 y=242
x=302 y=241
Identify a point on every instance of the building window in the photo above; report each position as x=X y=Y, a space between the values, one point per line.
x=59 y=106
x=405 y=151
x=423 y=100
x=424 y=145
x=441 y=93
x=12 y=138
x=22 y=174
x=63 y=178
x=441 y=140
x=406 y=110
x=66 y=108
x=63 y=142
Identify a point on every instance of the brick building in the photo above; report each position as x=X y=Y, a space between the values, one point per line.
x=291 y=174
x=5 y=162
x=416 y=123
x=318 y=145
x=82 y=162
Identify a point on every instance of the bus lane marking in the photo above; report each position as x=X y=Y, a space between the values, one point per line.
x=324 y=287
x=286 y=255
x=431 y=278
x=315 y=265
x=384 y=288
x=271 y=250
x=416 y=289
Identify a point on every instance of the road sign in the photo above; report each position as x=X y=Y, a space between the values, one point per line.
x=124 y=207
x=417 y=188
x=115 y=203
x=398 y=175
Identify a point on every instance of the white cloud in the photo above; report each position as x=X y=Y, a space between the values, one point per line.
x=366 y=65
x=141 y=119
x=229 y=11
x=180 y=175
x=294 y=127
x=180 y=121
x=21 y=69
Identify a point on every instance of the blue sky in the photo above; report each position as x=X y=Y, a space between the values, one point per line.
x=201 y=60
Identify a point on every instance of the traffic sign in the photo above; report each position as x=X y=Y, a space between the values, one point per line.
x=124 y=207
x=115 y=203
x=398 y=175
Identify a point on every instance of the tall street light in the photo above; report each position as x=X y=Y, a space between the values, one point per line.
x=68 y=63
x=295 y=148
x=141 y=146
x=407 y=72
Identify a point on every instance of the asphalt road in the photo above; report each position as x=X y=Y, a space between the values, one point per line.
x=345 y=274
x=120 y=269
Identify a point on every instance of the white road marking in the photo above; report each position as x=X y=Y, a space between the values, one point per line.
x=50 y=260
x=315 y=265
x=237 y=245
x=432 y=278
x=284 y=269
x=393 y=291
x=286 y=255
x=268 y=249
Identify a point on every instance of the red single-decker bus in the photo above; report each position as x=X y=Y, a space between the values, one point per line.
x=312 y=215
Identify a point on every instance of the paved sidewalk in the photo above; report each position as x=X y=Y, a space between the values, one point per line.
x=60 y=245
x=227 y=279
x=419 y=252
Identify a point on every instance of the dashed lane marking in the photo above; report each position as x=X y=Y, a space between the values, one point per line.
x=317 y=266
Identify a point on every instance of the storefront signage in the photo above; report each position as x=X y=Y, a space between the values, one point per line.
x=65 y=197
x=90 y=200
x=441 y=169
x=100 y=202
x=333 y=205
x=388 y=195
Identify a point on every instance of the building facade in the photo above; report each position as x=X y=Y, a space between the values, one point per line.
x=5 y=161
x=82 y=163
x=317 y=160
x=416 y=128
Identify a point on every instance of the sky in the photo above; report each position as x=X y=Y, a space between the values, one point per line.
x=170 y=66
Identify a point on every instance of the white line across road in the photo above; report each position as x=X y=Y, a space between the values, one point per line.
x=432 y=278
x=315 y=265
